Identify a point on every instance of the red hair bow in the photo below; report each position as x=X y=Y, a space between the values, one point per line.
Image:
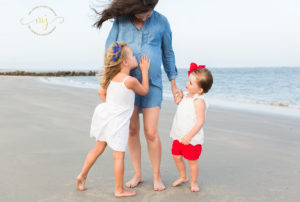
x=194 y=66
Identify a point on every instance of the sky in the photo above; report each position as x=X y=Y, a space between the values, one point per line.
x=216 y=33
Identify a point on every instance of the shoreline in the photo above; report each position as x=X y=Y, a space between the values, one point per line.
x=259 y=108
x=222 y=103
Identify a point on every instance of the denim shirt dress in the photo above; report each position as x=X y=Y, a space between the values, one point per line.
x=154 y=40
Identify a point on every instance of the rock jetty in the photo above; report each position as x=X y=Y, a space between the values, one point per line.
x=59 y=73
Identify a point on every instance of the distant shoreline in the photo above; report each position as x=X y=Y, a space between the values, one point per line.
x=54 y=74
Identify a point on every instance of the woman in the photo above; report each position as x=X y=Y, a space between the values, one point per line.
x=148 y=33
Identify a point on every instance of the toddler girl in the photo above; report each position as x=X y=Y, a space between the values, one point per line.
x=187 y=128
x=110 y=123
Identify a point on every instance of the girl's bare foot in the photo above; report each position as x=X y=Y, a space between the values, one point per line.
x=179 y=181
x=124 y=193
x=194 y=187
x=134 y=182
x=80 y=182
x=158 y=185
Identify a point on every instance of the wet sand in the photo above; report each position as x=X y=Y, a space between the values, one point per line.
x=44 y=139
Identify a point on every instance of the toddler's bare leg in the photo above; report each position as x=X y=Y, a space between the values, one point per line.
x=89 y=162
x=119 y=175
x=181 y=169
x=194 y=168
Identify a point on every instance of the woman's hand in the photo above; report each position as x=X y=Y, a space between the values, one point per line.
x=177 y=94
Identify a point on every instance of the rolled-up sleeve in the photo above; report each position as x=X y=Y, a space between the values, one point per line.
x=113 y=34
x=168 y=57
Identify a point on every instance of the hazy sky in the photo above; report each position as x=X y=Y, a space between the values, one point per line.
x=217 y=33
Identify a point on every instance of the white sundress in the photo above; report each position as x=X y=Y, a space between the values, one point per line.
x=110 y=122
x=185 y=119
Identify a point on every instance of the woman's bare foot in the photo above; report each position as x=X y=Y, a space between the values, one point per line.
x=80 y=182
x=194 y=187
x=158 y=185
x=179 y=181
x=134 y=182
x=124 y=193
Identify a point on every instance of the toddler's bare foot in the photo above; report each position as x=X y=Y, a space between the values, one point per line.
x=134 y=182
x=124 y=193
x=158 y=185
x=194 y=187
x=179 y=181
x=80 y=182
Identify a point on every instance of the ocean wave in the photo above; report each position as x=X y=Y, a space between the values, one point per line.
x=243 y=100
x=169 y=96
x=67 y=81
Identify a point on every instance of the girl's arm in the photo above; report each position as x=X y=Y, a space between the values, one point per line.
x=102 y=94
x=134 y=84
x=200 y=115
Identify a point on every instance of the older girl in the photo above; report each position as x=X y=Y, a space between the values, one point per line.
x=110 y=123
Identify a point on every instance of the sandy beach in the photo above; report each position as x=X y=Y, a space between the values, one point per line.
x=44 y=139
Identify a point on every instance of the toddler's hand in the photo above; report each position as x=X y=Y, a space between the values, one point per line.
x=144 y=63
x=186 y=140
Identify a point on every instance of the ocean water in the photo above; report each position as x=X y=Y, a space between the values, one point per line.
x=263 y=89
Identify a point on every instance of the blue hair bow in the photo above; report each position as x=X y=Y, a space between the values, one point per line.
x=116 y=48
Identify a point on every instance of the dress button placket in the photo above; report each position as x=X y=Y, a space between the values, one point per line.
x=140 y=41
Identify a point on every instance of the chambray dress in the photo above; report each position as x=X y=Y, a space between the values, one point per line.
x=154 y=40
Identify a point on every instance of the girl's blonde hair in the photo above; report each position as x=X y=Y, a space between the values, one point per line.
x=113 y=58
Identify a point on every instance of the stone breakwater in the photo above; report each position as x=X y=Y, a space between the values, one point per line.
x=59 y=73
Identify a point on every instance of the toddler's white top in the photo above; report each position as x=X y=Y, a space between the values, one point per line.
x=185 y=119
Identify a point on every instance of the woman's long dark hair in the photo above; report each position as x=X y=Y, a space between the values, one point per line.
x=124 y=8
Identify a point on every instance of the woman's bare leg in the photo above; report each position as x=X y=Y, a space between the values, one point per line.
x=150 y=118
x=119 y=175
x=181 y=170
x=88 y=163
x=134 y=146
